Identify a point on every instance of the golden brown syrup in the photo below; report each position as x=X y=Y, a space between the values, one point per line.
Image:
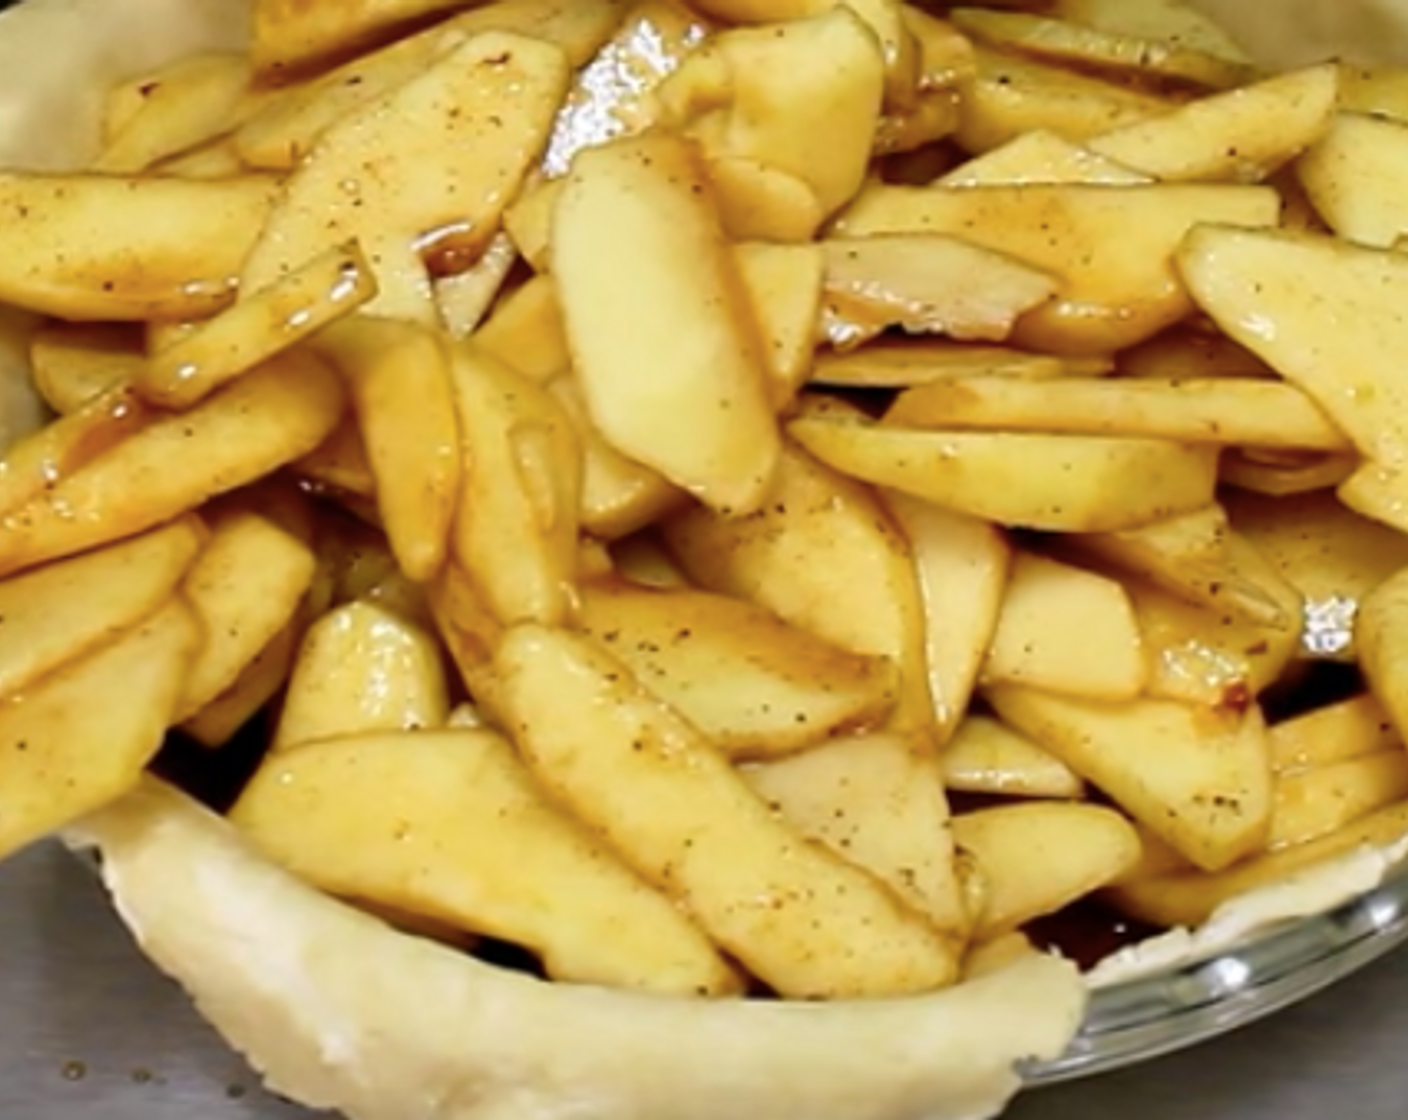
x=1088 y=931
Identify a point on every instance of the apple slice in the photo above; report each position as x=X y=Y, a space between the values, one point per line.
x=683 y=389
x=81 y=738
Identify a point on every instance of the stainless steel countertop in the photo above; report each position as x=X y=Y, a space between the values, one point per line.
x=88 y=1030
